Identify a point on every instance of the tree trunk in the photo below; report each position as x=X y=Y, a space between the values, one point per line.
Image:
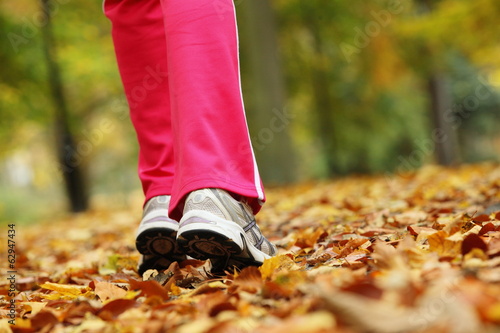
x=323 y=105
x=268 y=118
x=69 y=162
x=446 y=143
x=446 y=149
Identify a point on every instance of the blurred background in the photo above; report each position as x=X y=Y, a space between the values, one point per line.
x=331 y=88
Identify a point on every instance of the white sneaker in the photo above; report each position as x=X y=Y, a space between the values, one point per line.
x=216 y=226
x=156 y=236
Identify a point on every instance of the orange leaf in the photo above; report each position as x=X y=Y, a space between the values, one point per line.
x=481 y=218
x=352 y=245
x=309 y=237
x=487 y=228
x=473 y=241
x=108 y=291
x=149 y=288
x=249 y=280
x=116 y=307
x=416 y=230
x=44 y=320
x=440 y=243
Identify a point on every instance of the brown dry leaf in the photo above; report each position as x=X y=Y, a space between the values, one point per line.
x=309 y=237
x=365 y=288
x=321 y=255
x=473 y=241
x=386 y=256
x=208 y=287
x=481 y=218
x=114 y=308
x=44 y=321
x=352 y=245
x=249 y=280
x=418 y=252
x=213 y=303
x=410 y=217
x=487 y=228
x=368 y=315
x=149 y=288
x=107 y=291
x=320 y=321
x=416 y=230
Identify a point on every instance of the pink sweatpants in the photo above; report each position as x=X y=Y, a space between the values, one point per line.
x=179 y=65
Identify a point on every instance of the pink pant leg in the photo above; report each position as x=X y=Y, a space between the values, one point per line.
x=212 y=145
x=139 y=40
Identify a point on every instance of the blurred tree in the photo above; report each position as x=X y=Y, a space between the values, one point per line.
x=268 y=115
x=320 y=77
x=435 y=47
x=349 y=86
x=70 y=165
x=444 y=135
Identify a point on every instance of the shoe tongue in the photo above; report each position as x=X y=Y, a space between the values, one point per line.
x=198 y=198
x=162 y=199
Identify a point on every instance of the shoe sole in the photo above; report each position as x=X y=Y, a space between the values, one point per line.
x=203 y=235
x=158 y=240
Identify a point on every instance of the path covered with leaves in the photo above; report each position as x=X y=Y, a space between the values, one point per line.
x=413 y=253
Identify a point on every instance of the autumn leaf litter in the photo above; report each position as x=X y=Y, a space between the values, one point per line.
x=418 y=252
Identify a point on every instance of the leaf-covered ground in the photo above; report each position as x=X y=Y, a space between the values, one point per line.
x=418 y=252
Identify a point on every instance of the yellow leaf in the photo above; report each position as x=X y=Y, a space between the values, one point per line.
x=493 y=312
x=217 y=285
x=276 y=264
x=92 y=324
x=33 y=307
x=66 y=291
x=5 y=326
x=443 y=245
x=175 y=290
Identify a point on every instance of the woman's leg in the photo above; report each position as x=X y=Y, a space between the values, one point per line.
x=140 y=45
x=212 y=145
x=217 y=188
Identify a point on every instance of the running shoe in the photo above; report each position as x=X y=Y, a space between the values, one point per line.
x=218 y=227
x=156 y=236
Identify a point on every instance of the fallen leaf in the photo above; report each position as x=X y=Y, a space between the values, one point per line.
x=249 y=280
x=473 y=241
x=149 y=288
x=107 y=291
x=44 y=321
x=33 y=307
x=276 y=264
x=487 y=228
x=309 y=237
x=65 y=291
x=352 y=245
x=444 y=245
x=114 y=308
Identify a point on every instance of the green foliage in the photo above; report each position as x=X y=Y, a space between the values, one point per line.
x=357 y=75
